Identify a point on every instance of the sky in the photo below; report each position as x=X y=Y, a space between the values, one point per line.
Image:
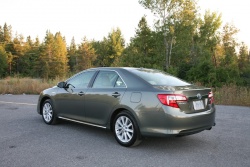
x=94 y=19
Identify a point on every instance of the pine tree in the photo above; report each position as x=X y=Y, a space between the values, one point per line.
x=85 y=56
x=3 y=61
x=7 y=33
x=1 y=35
x=60 y=68
x=53 y=56
x=142 y=49
x=116 y=44
x=72 y=54
x=109 y=49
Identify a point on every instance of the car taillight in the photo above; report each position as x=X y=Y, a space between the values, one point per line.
x=211 y=97
x=171 y=99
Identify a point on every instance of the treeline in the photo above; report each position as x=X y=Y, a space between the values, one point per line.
x=194 y=48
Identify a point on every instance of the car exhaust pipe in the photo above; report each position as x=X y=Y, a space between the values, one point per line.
x=211 y=127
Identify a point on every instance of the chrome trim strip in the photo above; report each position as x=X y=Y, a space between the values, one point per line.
x=81 y=122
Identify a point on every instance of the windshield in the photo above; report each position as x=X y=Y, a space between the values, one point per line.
x=156 y=77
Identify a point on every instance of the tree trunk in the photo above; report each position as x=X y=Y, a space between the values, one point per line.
x=167 y=56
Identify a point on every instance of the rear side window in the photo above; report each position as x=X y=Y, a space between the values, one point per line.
x=108 y=79
x=156 y=77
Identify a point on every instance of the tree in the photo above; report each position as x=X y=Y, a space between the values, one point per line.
x=208 y=36
x=137 y=53
x=19 y=49
x=244 y=64
x=185 y=29
x=72 y=54
x=60 y=59
x=85 y=56
x=7 y=33
x=166 y=12
x=1 y=35
x=101 y=49
x=29 y=61
x=116 y=44
x=109 y=49
x=53 y=56
x=229 y=43
x=3 y=61
x=143 y=50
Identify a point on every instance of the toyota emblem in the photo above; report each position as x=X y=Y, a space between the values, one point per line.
x=199 y=96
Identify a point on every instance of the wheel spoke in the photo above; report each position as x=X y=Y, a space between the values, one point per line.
x=129 y=125
x=126 y=121
x=125 y=137
x=119 y=122
x=129 y=136
x=122 y=120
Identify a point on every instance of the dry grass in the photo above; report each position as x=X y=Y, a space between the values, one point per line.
x=24 y=85
x=226 y=95
x=232 y=95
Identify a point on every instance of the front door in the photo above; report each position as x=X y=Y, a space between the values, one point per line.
x=70 y=100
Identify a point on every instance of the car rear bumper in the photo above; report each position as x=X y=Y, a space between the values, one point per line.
x=173 y=122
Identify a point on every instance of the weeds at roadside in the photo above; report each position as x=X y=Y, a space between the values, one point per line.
x=24 y=85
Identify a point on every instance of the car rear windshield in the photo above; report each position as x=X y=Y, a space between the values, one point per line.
x=156 y=77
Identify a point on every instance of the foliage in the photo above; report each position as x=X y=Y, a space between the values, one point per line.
x=85 y=56
x=53 y=57
x=144 y=48
x=110 y=49
x=193 y=47
x=3 y=61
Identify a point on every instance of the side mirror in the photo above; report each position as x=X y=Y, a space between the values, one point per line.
x=61 y=84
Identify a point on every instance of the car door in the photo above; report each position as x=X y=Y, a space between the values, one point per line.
x=106 y=92
x=70 y=100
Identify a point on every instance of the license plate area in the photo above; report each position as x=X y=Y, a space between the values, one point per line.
x=198 y=105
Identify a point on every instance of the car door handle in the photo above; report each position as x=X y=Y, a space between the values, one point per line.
x=81 y=93
x=116 y=94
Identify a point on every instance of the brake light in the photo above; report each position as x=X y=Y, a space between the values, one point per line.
x=171 y=99
x=211 y=97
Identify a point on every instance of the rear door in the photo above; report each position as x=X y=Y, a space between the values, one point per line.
x=106 y=92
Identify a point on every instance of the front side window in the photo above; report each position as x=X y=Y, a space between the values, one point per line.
x=82 y=80
x=108 y=79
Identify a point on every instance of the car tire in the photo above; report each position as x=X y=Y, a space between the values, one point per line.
x=48 y=112
x=126 y=130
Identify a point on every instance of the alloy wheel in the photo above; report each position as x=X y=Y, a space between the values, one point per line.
x=47 y=112
x=124 y=129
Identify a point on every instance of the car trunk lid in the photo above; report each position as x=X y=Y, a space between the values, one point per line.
x=197 y=98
